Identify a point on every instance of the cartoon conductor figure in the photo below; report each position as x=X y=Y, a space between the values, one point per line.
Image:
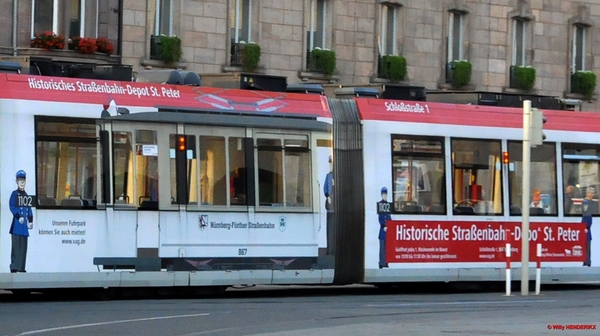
x=588 y=210
x=383 y=210
x=328 y=191
x=22 y=222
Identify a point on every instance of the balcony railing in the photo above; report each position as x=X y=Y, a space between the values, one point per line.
x=512 y=82
x=450 y=72
x=237 y=52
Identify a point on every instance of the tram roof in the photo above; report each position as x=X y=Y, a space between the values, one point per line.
x=471 y=115
x=165 y=96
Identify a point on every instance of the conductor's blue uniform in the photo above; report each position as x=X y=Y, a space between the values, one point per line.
x=22 y=217
x=383 y=210
x=328 y=190
x=587 y=219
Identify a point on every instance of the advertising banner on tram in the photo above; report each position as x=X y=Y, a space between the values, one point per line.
x=439 y=241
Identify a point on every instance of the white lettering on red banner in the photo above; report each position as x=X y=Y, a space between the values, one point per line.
x=94 y=87
x=424 y=241
x=406 y=107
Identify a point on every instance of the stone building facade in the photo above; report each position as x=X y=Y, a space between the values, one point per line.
x=555 y=37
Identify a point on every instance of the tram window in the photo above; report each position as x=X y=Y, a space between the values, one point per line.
x=270 y=172
x=284 y=171
x=418 y=174
x=297 y=173
x=123 y=168
x=66 y=164
x=580 y=174
x=146 y=169
x=543 y=179
x=192 y=168
x=477 y=177
x=213 y=184
x=237 y=172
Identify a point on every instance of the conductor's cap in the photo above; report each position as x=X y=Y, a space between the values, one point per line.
x=384 y=190
x=21 y=174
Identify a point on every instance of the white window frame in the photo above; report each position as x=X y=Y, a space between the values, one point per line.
x=157 y=17
x=452 y=16
x=384 y=28
x=315 y=11
x=238 y=15
x=54 y=17
x=515 y=41
x=574 y=46
x=82 y=19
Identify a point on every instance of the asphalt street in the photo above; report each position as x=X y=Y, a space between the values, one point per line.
x=305 y=311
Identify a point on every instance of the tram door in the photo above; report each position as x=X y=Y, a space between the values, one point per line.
x=141 y=180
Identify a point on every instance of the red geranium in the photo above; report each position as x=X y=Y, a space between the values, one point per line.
x=104 y=45
x=86 y=45
x=48 y=40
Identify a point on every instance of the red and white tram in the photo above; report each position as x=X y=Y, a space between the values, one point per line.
x=120 y=184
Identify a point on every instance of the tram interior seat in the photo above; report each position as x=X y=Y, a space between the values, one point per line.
x=411 y=209
x=537 y=211
x=47 y=201
x=464 y=210
x=515 y=211
x=146 y=203
x=72 y=202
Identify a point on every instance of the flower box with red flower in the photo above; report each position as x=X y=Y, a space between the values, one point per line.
x=104 y=46
x=86 y=45
x=48 y=40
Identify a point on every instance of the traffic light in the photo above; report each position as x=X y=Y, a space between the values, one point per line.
x=181 y=169
x=537 y=127
x=181 y=143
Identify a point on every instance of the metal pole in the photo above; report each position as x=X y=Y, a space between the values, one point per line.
x=525 y=201
x=508 y=276
x=538 y=270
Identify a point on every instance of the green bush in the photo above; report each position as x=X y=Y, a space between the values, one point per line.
x=250 y=57
x=322 y=60
x=524 y=77
x=393 y=68
x=461 y=73
x=583 y=82
x=170 y=49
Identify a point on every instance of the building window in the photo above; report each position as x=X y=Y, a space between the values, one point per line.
x=387 y=33
x=580 y=174
x=543 y=179
x=418 y=173
x=455 y=36
x=67 y=165
x=70 y=18
x=164 y=18
x=578 y=49
x=241 y=21
x=477 y=177
x=317 y=27
x=519 y=42
x=44 y=16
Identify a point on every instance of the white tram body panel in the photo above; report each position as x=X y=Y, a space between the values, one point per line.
x=108 y=241
x=460 y=257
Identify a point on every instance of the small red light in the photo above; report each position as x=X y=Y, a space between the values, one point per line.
x=181 y=143
x=505 y=158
